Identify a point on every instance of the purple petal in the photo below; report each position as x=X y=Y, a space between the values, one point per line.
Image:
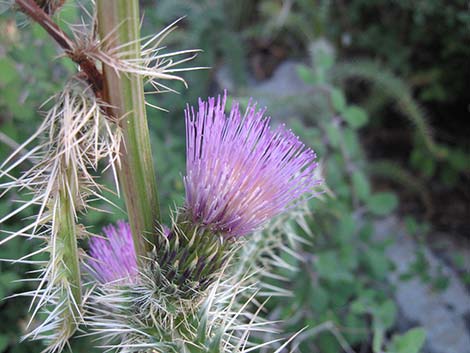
x=240 y=172
x=113 y=257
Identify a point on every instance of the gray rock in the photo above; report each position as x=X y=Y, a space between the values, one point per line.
x=444 y=314
x=280 y=93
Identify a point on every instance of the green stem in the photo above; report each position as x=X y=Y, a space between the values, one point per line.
x=67 y=243
x=65 y=264
x=125 y=93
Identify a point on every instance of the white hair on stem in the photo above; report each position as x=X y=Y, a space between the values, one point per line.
x=154 y=64
x=74 y=138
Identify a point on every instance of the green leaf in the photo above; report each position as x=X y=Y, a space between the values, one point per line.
x=324 y=59
x=459 y=260
x=385 y=314
x=358 y=307
x=411 y=225
x=382 y=203
x=38 y=32
x=366 y=231
x=8 y=283
x=365 y=302
x=215 y=344
x=306 y=74
x=349 y=257
x=351 y=142
x=67 y=15
x=466 y=278
x=329 y=267
x=302 y=291
x=334 y=172
x=377 y=262
x=428 y=166
x=356 y=328
x=361 y=184
x=327 y=343
x=8 y=71
x=449 y=177
x=459 y=160
x=338 y=100
x=202 y=328
x=440 y=283
x=3 y=343
x=410 y=342
x=319 y=299
x=423 y=161
x=355 y=116
x=346 y=228
x=333 y=134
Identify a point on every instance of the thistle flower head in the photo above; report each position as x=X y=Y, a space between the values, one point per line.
x=240 y=171
x=113 y=257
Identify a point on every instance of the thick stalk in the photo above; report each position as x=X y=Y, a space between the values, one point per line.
x=125 y=93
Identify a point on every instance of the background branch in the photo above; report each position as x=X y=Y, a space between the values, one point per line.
x=36 y=13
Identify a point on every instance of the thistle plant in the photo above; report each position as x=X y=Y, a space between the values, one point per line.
x=240 y=174
x=69 y=145
x=145 y=286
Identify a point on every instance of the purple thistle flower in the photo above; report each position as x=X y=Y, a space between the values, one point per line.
x=240 y=172
x=113 y=257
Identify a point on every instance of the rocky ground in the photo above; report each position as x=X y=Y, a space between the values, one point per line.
x=445 y=313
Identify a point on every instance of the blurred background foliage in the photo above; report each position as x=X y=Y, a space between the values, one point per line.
x=385 y=106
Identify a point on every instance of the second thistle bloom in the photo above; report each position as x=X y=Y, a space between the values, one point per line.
x=240 y=171
x=113 y=257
